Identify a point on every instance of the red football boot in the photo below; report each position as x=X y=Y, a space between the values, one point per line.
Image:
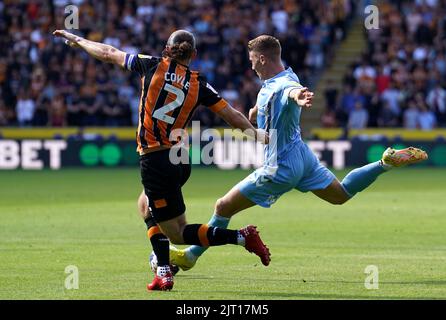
x=161 y=283
x=254 y=244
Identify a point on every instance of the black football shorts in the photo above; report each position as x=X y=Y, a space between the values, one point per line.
x=162 y=181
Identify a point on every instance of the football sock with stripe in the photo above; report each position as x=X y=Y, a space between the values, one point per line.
x=205 y=236
x=216 y=221
x=359 y=179
x=159 y=241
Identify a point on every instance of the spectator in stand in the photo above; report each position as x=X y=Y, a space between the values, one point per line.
x=74 y=109
x=230 y=94
x=439 y=63
x=90 y=103
x=387 y=117
x=4 y=117
x=406 y=57
x=279 y=18
x=32 y=58
x=411 y=115
x=392 y=97
x=436 y=100
x=426 y=118
x=25 y=108
x=40 y=118
x=373 y=107
x=382 y=80
x=349 y=79
x=328 y=118
x=348 y=99
x=331 y=95
x=364 y=72
x=113 y=111
x=57 y=112
x=358 y=117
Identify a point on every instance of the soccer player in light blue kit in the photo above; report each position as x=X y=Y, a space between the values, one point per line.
x=289 y=163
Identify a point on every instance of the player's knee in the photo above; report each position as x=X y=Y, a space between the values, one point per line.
x=142 y=206
x=220 y=206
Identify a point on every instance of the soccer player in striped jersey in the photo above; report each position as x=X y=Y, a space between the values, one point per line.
x=170 y=92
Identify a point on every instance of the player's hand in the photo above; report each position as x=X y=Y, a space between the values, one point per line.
x=70 y=39
x=262 y=136
x=252 y=116
x=303 y=97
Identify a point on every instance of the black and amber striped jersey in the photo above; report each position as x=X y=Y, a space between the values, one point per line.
x=170 y=93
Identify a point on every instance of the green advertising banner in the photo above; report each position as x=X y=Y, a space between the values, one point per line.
x=224 y=154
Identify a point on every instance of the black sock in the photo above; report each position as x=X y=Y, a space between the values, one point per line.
x=150 y=222
x=160 y=245
x=205 y=236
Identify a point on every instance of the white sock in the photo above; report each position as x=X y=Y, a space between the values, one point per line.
x=240 y=239
x=161 y=271
x=385 y=166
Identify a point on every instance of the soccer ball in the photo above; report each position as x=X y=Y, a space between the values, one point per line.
x=153 y=261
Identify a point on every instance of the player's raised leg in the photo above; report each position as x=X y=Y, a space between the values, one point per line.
x=399 y=158
x=225 y=207
x=359 y=179
x=179 y=232
x=259 y=188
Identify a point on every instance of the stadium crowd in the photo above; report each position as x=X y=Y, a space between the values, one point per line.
x=45 y=83
x=400 y=79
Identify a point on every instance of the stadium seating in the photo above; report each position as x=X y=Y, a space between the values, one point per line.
x=45 y=83
x=399 y=79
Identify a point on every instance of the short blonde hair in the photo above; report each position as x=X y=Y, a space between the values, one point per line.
x=266 y=45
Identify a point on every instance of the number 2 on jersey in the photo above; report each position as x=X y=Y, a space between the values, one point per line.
x=161 y=113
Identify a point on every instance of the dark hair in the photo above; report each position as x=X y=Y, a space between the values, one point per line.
x=266 y=45
x=181 y=45
x=180 y=51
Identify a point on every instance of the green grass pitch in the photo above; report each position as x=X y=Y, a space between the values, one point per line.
x=88 y=218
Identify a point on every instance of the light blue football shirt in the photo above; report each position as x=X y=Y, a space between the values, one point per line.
x=279 y=115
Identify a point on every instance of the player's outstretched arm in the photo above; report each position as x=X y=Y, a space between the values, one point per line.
x=237 y=120
x=100 y=51
x=302 y=96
